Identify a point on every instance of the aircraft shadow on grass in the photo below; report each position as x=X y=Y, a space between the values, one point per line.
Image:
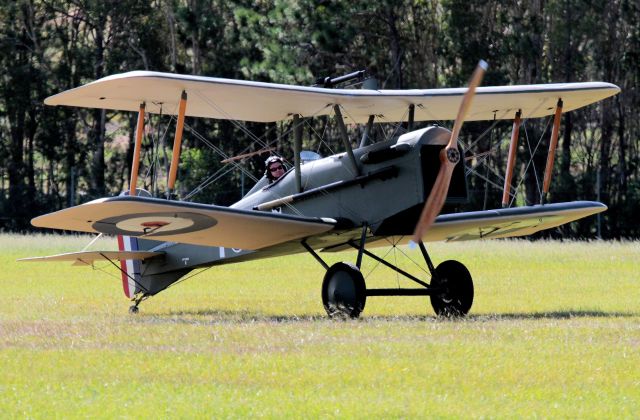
x=210 y=316
x=566 y=314
x=215 y=316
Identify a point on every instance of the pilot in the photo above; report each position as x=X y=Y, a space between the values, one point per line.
x=274 y=168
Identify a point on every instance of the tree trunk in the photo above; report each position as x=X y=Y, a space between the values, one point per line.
x=171 y=24
x=622 y=148
x=530 y=64
x=16 y=168
x=396 y=47
x=97 y=162
x=99 y=116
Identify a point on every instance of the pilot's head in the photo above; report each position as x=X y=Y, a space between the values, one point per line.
x=274 y=168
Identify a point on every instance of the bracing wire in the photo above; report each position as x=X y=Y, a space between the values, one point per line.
x=375 y=266
x=242 y=127
x=409 y=257
x=396 y=126
x=485 y=178
x=395 y=261
x=320 y=137
x=531 y=158
x=236 y=165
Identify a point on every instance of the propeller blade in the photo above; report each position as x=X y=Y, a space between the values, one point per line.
x=449 y=157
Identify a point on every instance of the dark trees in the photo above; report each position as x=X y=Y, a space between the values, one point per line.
x=56 y=157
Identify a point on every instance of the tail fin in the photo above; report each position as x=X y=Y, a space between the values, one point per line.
x=131 y=276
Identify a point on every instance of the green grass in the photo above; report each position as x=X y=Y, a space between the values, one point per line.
x=554 y=332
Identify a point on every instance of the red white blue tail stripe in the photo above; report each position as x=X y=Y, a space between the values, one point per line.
x=130 y=268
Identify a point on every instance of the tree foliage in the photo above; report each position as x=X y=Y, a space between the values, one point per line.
x=56 y=157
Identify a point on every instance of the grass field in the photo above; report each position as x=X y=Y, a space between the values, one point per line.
x=554 y=332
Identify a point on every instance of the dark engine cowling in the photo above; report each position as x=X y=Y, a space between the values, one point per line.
x=430 y=159
x=431 y=141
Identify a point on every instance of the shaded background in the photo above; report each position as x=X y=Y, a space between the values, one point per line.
x=56 y=157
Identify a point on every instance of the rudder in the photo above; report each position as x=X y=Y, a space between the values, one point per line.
x=131 y=273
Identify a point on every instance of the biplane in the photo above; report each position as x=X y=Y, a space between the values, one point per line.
x=361 y=198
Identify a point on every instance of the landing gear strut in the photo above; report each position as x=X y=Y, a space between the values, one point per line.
x=344 y=293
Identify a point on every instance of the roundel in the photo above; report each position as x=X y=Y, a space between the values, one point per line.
x=154 y=224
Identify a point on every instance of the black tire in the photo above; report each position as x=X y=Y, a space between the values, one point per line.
x=456 y=297
x=344 y=293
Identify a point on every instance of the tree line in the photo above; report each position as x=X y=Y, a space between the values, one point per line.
x=54 y=157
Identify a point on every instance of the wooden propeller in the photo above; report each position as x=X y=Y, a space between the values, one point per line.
x=449 y=157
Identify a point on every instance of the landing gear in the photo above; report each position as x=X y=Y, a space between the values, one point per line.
x=453 y=289
x=133 y=309
x=344 y=293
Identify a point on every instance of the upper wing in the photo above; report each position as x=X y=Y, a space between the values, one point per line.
x=211 y=97
x=190 y=223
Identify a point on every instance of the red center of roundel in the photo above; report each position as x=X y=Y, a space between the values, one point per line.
x=154 y=224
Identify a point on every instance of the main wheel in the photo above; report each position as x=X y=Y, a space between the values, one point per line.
x=456 y=295
x=344 y=293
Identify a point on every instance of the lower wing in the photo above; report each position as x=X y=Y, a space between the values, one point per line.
x=190 y=223
x=509 y=222
x=492 y=224
x=209 y=225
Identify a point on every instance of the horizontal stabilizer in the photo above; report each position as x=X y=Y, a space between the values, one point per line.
x=89 y=257
x=210 y=97
x=183 y=222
